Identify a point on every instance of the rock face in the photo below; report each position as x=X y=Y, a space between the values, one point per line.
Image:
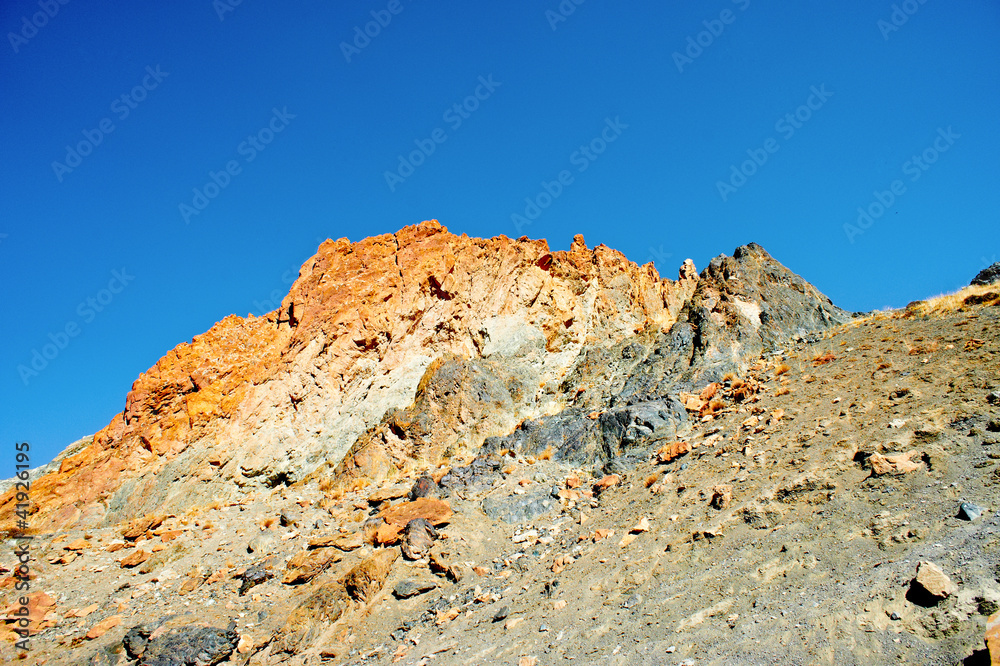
x=409 y=348
x=988 y=275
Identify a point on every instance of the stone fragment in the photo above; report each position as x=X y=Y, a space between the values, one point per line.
x=896 y=465
x=722 y=496
x=418 y=537
x=365 y=580
x=931 y=580
x=425 y=486
x=992 y=638
x=135 y=559
x=344 y=542
x=79 y=544
x=969 y=511
x=436 y=511
x=103 y=627
x=307 y=564
x=262 y=544
x=410 y=588
x=671 y=451
x=501 y=614
x=609 y=481
x=138 y=527
x=254 y=575
x=387 y=494
x=641 y=526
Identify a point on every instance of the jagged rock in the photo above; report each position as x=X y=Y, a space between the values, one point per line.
x=103 y=627
x=896 y=465
x=992 y=638
x=424 y=487
x=190 y=646
x=253 y=576
x=365 y=580
x=418 y=537
x=410 y=588
x=137 y=557
x=307 y=564
x=931 y=583
x=722 y=496
x=988 y=275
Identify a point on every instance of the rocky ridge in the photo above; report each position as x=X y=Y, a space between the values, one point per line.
x=579 y=439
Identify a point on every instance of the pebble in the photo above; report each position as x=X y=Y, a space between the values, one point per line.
x=502 y=614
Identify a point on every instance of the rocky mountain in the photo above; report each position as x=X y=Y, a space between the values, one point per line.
x=494 y=412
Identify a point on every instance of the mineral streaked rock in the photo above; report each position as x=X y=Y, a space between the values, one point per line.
x=282 y=393
x=355 y=372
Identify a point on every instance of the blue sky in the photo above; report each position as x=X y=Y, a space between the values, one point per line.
x=628 y=124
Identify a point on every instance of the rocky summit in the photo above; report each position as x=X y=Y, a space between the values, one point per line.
x=449 y=450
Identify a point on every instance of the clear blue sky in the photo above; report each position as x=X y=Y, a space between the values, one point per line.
x=183 y=85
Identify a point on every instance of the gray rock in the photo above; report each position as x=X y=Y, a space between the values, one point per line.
x=969 y=511
x=519 y=508
x=262 y=543
x=410 y=588
x=993 y=398
x=988 y=275
x=502 y=614
x=253 y=576
x=190 y=646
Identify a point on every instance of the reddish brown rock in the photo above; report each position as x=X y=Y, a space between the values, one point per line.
x=364 y=581
x=436 y=511
x=103 y=627
x=41 y=612
x=610 y=481
x=135 y=559
x=669 y=452
x=993 y=638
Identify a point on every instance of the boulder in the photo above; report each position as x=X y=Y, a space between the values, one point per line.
x=365 y=580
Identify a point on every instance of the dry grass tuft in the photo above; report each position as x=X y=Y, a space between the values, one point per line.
x=961 y=300
x=782 y=369
x=325 y=484
x=651 y=479
x=547 y=454
x=783 y=391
